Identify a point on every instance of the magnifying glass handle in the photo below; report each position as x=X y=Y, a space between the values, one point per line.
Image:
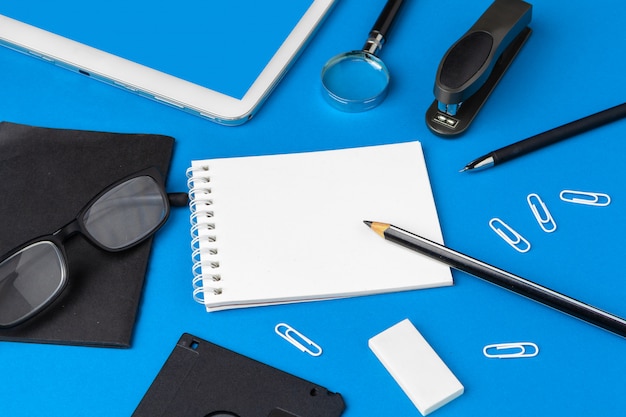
x=377 y=35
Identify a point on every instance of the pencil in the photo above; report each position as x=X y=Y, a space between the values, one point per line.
x=547 y=138
x=501 y=278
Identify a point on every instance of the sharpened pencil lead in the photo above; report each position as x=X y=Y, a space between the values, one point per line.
x=377 y=227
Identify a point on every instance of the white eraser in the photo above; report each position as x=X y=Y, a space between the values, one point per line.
x=416 y=367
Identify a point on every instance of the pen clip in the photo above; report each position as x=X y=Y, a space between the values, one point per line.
x=510 y=236
x=541 y=213
x=585 y=197
x=511 y=350
x=297 y=339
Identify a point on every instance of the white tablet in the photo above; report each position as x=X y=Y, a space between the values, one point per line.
x=217 y=59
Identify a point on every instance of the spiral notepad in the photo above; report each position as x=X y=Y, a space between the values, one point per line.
x=286 y=228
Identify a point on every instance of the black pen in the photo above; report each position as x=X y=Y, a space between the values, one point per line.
x=501 y=278
x=547 y=138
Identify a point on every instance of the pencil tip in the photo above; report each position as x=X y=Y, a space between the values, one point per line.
x=464 y=169
x=377 y=227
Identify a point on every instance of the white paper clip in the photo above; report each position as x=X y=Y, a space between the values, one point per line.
x=511 y=350
x=585 y=197
x=541 y=213
x=510 y=236
x=298 y=339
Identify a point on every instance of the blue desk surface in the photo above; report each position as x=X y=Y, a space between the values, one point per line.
x=571 y=66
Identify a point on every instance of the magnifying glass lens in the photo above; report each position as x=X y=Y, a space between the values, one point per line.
x=355 y=81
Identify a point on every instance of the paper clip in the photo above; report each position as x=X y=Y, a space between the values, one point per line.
x=510 y=236
x=543 y=217
x=298 y=339
x=585 y=197
x=511 y=350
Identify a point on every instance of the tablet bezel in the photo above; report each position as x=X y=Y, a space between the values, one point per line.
x=157 y=85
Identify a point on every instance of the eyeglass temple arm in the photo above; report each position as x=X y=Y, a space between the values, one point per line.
x=178 y=199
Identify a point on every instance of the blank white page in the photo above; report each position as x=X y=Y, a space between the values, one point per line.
x=290 y=227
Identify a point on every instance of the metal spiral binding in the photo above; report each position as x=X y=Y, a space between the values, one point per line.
x=202 y=231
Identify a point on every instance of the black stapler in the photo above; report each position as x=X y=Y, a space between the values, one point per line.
x=474 y=64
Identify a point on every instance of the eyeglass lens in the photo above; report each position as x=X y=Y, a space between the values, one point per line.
x=121 y=217
x=126 y=213
x=29 y=279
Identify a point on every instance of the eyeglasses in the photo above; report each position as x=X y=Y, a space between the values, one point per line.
x=125 y=214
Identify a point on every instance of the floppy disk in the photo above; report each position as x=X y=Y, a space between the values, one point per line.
x=201 y=379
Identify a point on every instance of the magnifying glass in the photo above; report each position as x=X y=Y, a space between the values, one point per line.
x=357 y=81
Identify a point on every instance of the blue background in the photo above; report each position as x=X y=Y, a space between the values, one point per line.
x=571 y=66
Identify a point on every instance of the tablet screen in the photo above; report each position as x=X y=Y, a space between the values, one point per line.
x=221 y=45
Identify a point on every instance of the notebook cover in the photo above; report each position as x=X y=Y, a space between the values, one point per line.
x=48 y=176
x=202 y=379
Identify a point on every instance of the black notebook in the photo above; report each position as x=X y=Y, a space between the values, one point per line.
x=203 y=379
x=47 y=177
